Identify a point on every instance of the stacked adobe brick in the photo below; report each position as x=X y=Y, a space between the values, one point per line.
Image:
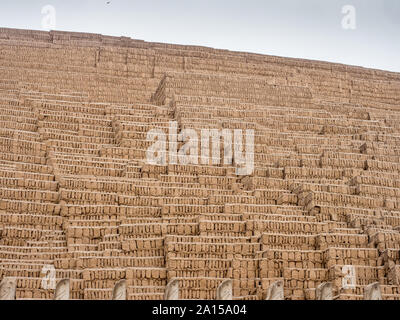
x=76 y=191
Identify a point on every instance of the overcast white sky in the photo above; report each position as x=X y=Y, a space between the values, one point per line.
x=310 y=29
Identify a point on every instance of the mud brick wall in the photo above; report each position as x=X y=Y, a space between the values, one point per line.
x=77 y=194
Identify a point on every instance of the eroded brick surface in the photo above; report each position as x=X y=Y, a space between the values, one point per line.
x=76 y=191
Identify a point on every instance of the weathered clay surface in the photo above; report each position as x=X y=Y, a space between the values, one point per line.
x=77 y=194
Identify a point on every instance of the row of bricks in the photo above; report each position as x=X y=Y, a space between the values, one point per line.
x=21 y=194
x=28 y=184
x=146 y=208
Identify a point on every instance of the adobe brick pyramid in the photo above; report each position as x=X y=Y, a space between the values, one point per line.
x=76 y=192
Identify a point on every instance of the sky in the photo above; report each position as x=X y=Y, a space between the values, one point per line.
x=356 y=32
